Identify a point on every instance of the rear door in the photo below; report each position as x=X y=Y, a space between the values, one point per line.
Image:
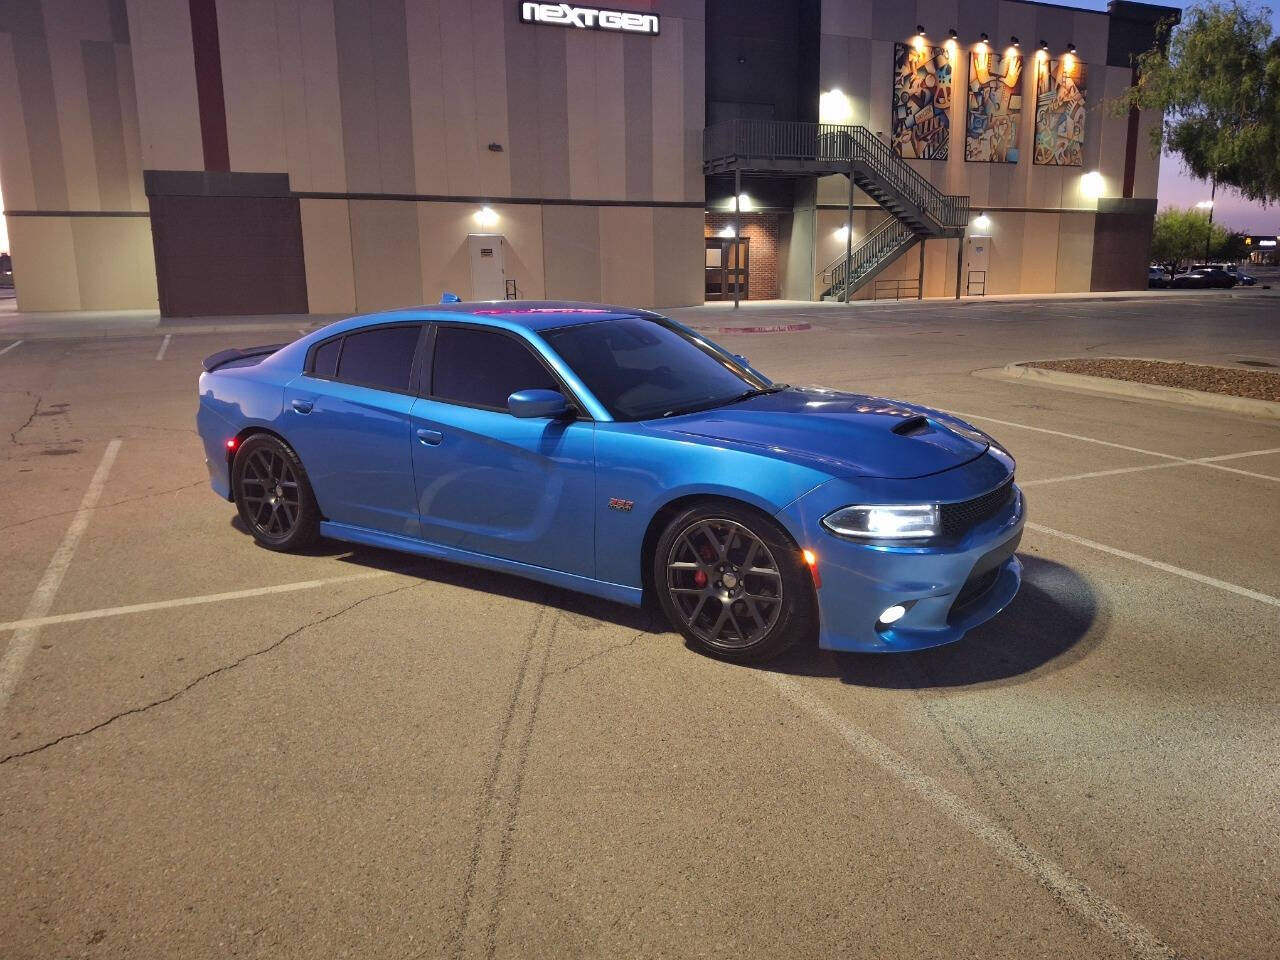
x=348 y=417
x=492 y=483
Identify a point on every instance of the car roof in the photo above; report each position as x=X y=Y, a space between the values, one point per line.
x=508 y=314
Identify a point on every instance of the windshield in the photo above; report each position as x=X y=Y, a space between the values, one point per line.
x=640 y=368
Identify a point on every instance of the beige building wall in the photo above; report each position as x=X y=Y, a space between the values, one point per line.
x=397 y=122
x=70 y=158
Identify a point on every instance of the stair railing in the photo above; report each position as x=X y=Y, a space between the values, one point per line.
x=880 y=243
x=799 y=142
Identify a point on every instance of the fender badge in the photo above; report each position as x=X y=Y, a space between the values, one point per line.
x=617 y=503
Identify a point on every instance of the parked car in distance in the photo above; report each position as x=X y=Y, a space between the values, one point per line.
x=1157 y=277
x=1246 y=280
x=618 y=453
x=1203 y=277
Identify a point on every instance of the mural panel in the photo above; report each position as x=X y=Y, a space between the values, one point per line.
x=921 y=101
x=1060 y=90
x=995 y=107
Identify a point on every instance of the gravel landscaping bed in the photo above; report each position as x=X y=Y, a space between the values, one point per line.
x=1254 y=384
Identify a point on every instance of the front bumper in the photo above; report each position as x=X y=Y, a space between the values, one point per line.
x=948 y=588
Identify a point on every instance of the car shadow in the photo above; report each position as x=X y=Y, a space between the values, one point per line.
x=484 y=581
x=1046 y=627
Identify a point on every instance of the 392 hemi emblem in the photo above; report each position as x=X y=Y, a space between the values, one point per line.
x=617 y=503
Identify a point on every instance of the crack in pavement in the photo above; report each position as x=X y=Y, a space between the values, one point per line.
x=107 y=506
x=143 y=708
x=612 y=648
x=13 y=436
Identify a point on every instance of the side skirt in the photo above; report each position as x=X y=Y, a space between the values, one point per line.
x=617 y=592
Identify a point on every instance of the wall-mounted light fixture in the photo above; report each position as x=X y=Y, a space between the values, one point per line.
x=834 y=107
x=1044 y=45
x=983 y=38
x=495 y=148
x=981 y=221
x=919 y=30
x=1071 y=47
x=745 y=203
x=486 y=217
x=1013 y=42
x=952 y=34
x=727 y=233
x=1092 y=184
x=842 y=232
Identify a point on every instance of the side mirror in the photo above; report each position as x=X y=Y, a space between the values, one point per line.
x=532 y=404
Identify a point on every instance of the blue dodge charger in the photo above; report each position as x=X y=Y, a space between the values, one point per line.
x=616 y=452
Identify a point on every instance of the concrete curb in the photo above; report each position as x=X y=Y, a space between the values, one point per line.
x=1243 y=406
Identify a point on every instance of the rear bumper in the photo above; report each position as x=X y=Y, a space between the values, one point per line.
x=214 y=432
x=948 y=590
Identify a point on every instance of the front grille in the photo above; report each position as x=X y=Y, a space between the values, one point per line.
x=959 y=518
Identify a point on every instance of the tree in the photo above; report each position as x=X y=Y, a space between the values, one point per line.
x=1178 y=236
x=1217 y=80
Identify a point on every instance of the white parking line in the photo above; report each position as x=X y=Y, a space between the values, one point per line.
x=16 y=343
x=1068 y=890
x=185 y=601
x=1199 y=461
x=15 y=657
x=164 y=345
x=1205 y=461
x=1159 y=565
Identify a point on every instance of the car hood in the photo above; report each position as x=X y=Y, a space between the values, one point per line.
x=845 y=434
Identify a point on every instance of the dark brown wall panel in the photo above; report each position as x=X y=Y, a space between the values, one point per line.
x=218 y=255
x=1122 y=244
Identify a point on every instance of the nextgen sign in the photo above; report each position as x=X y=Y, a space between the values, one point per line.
x=589 y=18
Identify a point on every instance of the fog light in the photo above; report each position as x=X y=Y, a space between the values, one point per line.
x=893 y=614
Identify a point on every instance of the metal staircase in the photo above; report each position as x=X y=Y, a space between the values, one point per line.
x=919 y=210
x=878 y=249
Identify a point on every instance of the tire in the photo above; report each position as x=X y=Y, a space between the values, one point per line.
x=273 y=494
x=701 y=579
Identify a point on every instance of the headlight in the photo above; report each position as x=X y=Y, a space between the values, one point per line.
x=875 y=522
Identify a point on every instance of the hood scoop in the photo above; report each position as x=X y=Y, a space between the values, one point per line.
x=913 y=427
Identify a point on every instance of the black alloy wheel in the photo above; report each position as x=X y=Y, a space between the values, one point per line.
x=273 y=494
x=733 y=583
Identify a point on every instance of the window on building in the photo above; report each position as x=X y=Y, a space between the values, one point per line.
x=381 y=358
x=483 y=368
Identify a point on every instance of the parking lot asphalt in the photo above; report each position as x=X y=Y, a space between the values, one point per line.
x=208 y=749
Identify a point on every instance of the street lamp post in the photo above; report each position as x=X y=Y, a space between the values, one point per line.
x=1208 y=234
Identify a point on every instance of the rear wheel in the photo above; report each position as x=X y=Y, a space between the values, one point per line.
x=733 y=582
x=273 y=494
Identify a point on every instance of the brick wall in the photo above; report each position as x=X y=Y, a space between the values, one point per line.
x=762 y=230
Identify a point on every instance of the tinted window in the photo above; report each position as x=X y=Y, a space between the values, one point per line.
x=379 y=358
x=639 y=368
x=484 y=368
x=324 y=362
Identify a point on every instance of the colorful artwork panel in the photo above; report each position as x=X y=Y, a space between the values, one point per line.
x=921 y=101
x=1060 y=94
x=994 y=109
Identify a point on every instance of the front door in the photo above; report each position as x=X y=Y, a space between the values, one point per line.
x=348 y=418
x=492 y=483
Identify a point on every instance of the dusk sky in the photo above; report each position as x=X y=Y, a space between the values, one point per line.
x=1180 y=189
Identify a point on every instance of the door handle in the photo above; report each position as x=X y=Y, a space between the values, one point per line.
x=303 y=406
x=430 y=438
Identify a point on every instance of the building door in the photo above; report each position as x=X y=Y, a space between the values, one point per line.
x=724 y=272
x=488 y=266
x=977 y=263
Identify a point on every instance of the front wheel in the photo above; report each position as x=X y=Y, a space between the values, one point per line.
x=273 y=494
x=733 y=582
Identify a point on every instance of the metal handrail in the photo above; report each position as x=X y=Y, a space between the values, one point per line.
x=792 y=140
x=878 y=244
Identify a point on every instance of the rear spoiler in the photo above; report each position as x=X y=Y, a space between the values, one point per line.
x=215 y=360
